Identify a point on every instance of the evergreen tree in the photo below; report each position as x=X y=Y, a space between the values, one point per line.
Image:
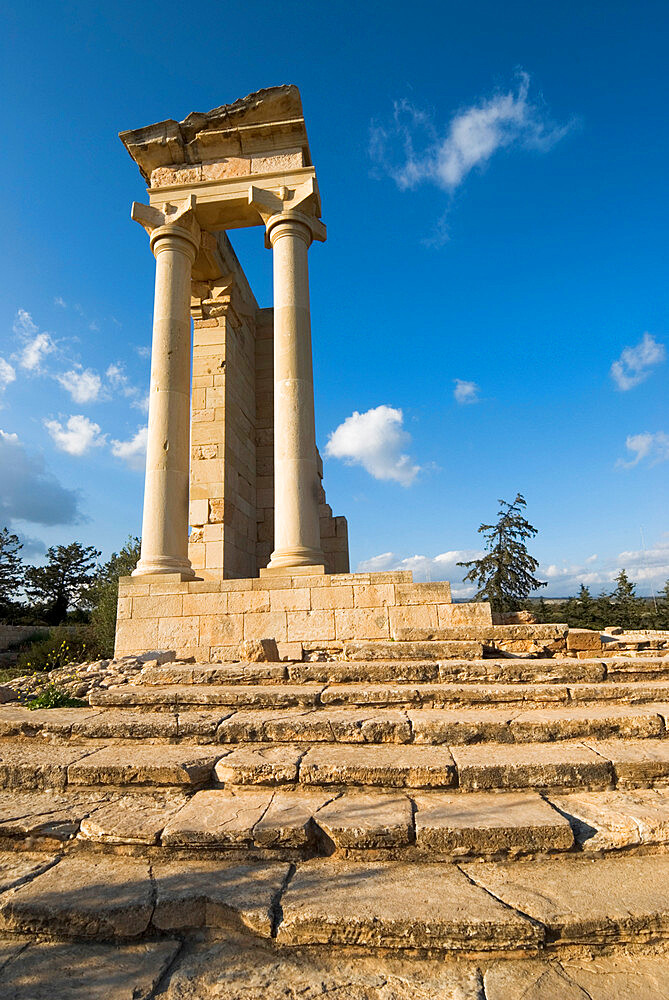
x=505 y=574
x=625 y=606
x=11 y=569
x=103 y=594
x=586 y=607
x=64 y=581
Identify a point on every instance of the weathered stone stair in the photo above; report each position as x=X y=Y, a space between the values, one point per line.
x=486 y=807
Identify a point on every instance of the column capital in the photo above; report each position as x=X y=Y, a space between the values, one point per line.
x=294 y=207
x=168 y=223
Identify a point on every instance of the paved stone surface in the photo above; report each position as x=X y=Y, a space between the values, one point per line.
x=23 y=765
x=93 y=897
x=262 y=765
x=60 y=971
x=145 y=765
x=481 y=823
x=217 y=818
x=212 y=894
x=530 y=766
x=509 y=980
x=16 y=721
x=397 y=906
x=131 y=819
x=367 y=820
x=582 y=900
x=621 y=977
x=638 y=762
x=390 y=766
x=15 y=869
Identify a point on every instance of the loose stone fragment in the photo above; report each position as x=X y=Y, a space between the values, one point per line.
x=211 y=894
x=217 y=818
x=530 y=766
x=395 y=905
x=373 y=820
x=60 y=971
x=585 y=901
x=260 y=765
x=145 y=765
x=514 y=822
x=390 y=766
x=93 y=897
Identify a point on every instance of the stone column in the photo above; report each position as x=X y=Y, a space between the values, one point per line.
x=297 y=539
x=175 y=238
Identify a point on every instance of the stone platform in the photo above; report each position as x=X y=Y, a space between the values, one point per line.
x=316 y=613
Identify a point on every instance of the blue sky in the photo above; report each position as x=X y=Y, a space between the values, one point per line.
x=492 y=300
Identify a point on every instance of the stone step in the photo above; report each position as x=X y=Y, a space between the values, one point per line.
x=182 y=697
x=497 y=909
x=512 y=670
x=380 y=649
x=341 y=725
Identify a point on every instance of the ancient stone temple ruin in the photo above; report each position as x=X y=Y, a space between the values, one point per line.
x=265 y=557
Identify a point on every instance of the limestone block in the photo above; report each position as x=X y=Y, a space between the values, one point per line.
x=291 y=599
x=584 y=639
x=124 y=608
x=181 y=174
x=331 y=598
x=175 y=633
x=259 y=651
x=205 y=604
x=362 y=623
x=373 y=595
x=363 y=821
x=248 y=600
x=258 y=625
x=414 y=616
x=221 y=630
x=198 y=512
x=423 y=593
x=306 y=626
x=230 y=166
x=134 y=635
x=475 y=613
x=159 y=606
x=289 y=159
x=290 y=651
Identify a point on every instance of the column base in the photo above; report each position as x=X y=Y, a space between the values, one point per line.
x=161 y=567
x=291 y=558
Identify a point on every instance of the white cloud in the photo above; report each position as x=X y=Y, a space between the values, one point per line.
x=23 y=324
x=120 y=383
x=441 y=567
x=375 y=440
x=465 y=392
x=35 y=351
x=654 y=447
x=471 y=138
x=592 y=558
x=77 y=437
x=84 y=386
x=636 y=363
x=58 y=301
x=7 y=374
x=133 y=451
x=28 y=492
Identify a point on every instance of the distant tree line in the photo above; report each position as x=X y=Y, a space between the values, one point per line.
x=620 y=608
x=72 y=587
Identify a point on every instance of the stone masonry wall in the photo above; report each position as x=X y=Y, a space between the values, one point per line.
x=208 y=619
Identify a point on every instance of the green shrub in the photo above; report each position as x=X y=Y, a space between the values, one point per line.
x=54 y=697
x=57 y=650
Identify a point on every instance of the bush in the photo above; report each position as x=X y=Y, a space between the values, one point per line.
x=57 y=650
x=54 y=697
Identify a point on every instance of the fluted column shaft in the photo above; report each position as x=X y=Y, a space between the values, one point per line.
x=296 y=481
x=165 y=518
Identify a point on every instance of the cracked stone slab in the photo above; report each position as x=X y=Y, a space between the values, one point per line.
x=17 y=868
x=616 y=819
x=261 y=765
x=193 y=894
x=396 y=905
x=617 y=977
x=215 y=970
x=637 y=762
x=63 y=971
x=24 y=765
x=131 y=819
x=127 y=725
x=367 y=820
x=98 y=897
x=145 y=765
x=480 y=823
x=530 y=766
x=217 y=818
x=461 y=725
x=289 y=820
x=585 y=901
x=201 y=723
x=388 y=765
x=52 y=814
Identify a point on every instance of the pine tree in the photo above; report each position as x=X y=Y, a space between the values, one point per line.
x=11 y=569
x=625 y=606
x=64 y=581
x=586 y=607
x=505 y=574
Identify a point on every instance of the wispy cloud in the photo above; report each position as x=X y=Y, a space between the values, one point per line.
x=133 y=451
x=654 y=447
x=636 y=363
x=465 y=392
x=83 y=385
x=77 y=436
x=440 y=567
x=120 y=384
x=412 y=149
x=60 y=302
x=377 y=441
x=7 y=374
x=35 y=345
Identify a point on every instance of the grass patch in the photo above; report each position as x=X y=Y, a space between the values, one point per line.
x=54 y=697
